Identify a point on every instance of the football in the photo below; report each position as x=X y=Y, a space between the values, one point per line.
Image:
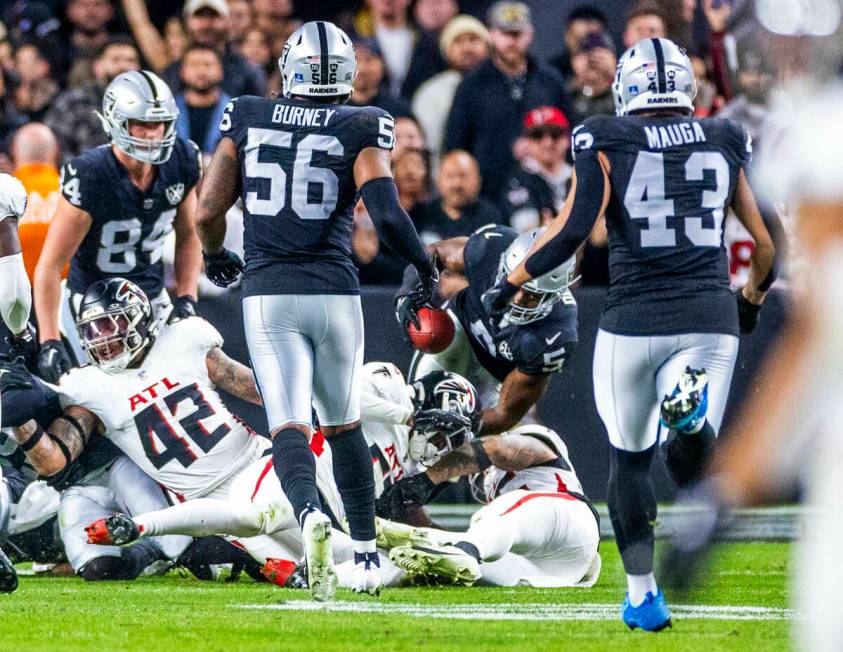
x=435 y=332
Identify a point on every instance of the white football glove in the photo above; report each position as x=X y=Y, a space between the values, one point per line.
x=12 y=197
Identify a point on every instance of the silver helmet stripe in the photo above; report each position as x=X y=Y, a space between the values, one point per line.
x=657 y=46
x=323 y=53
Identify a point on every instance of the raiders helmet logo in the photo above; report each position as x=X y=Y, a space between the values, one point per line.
x=505 y=351
x=175 y=193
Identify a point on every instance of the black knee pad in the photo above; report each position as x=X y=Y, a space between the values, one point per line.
x=103 y=568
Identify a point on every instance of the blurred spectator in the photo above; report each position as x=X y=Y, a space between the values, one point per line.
x=708 y=101
x=580 y=21
x=201 y=102
x=459 y=210
x=433 y=15
x=750 y=108
x=241 y=16
x=275 y=18
x=88 y=31
x=408 y=135
x=6 y=52
x=368 y=85
x=411 y=56
x=722 y=45
x=412 y=177
x=465 y=45
x=10 y=120
x=537 y=190
x=36 y=88
x=679 y=20
x=72 y=116
x=644 y=20
x=255 y=48
x=35 y=157
x=491 y=101
x=594 y=72
x=207 y=24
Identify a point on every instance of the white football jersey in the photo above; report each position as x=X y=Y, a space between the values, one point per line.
x=385 y=406
x=557 y=476
x=166 y=415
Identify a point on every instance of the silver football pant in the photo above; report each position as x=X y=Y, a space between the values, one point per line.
x=632 y=374
x=161 y=308
x=307 y=352
x=458 y=358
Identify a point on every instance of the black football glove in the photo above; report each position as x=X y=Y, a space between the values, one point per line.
x=441 y=421
x=697 y=530
x=416 y=490
x=222 y=268
x=53 y=360
x=184 y=307
x=22 y=347
x=407 y=304
x=22 y=397
x=748 y=313
x=496 y=298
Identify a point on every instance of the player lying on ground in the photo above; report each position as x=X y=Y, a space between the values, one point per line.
x=664 y=180
x=511 y=356
x=387 y=409
x=153 y=395
x=538 y=528
x=298 y=162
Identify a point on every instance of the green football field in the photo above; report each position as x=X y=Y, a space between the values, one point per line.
x=742 y=607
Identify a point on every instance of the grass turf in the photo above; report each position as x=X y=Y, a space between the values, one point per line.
x=177 y=613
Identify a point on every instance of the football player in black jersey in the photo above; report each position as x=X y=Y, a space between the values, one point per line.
x=298 y=162
x=508 y=358
x=119 y=203
x=668 y=337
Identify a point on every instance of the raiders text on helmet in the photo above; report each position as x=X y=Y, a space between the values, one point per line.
x=115 y=323
x=654 y=73
x=318 y=61
x=140 y=96
x=550 y=287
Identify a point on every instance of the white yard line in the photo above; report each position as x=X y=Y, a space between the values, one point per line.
x=523 y=611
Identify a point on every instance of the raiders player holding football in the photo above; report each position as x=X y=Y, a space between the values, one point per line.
x=664 y=180
x=298 y=161
x=119 y=202
x=510 y=356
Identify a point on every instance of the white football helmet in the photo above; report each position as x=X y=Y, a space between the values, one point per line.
x=655 y=73
x=550 y=287
x=142 y=96
x=318 y=61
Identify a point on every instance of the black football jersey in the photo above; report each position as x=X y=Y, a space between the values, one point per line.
x=128 y=227
x=297 y=168
x=536 y=348
x=672 y=182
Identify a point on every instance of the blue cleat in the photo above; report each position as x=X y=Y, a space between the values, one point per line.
x=687 y=404
x=652 y=615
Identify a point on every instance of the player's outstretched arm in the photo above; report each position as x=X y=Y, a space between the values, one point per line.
x=188 y=258
x=233 y=377
x=51 y=452
x=217 y=193
x=67 y=230
x=519 y=392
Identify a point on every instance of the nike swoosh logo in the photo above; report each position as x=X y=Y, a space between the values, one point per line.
x=551 y=340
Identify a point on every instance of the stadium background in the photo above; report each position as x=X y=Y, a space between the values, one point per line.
x=57 y=56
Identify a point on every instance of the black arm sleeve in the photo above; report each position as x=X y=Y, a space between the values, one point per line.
x=392 y=222
x=584 y=213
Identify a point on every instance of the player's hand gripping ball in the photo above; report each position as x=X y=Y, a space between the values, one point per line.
x=435 y=332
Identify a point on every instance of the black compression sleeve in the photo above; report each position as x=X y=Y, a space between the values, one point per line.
x=586 y=208
x=392 y=222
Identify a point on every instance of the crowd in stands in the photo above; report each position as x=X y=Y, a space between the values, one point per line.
x=483 y=127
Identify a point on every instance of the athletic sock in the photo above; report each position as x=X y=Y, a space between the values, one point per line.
x=687 y=454
x=639 y=586
x=469 y=549
x=356 y=484
x=295 y=467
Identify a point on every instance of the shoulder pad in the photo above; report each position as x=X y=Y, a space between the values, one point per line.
x=194 y=332
x=594 y=133
x=376 y=127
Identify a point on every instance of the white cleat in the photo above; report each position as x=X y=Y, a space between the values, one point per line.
x=391 y=534
x=316 y=536
x=446 y=562
x=366 y=576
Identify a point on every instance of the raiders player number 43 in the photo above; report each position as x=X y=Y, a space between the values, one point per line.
x=668 y=336
x=119 y=203
x=298 y=162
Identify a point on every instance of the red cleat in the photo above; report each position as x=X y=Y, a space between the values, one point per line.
x=277 y=570
x=114 y=530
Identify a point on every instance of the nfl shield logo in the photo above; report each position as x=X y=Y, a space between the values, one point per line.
x=298 y=77
x=147 y=204
x=174 y=193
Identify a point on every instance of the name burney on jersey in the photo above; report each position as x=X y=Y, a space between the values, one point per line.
x=683 y=133
x=302 y=116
